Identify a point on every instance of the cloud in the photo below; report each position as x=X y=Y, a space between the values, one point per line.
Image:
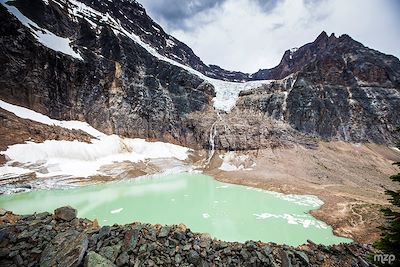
x=248 y=35
x=175 y=13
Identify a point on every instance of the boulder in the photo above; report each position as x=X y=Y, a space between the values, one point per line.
x=110 y=252
x=93 y=259
x=164 y=231
x=66 y=213
x=193 y=257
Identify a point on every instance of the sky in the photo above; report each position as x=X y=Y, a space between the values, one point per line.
x=248 y=35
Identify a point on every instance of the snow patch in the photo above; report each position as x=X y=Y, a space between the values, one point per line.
x=232 y=162
x=45 y=37
x=29 y=114
x=155 y=28
x=7 y=172
x=292 y=51
x=80 y=159
x=170 y=43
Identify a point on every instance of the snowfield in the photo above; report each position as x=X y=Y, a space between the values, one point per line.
x=45 y=37
x=29 y=114
x=75 y=158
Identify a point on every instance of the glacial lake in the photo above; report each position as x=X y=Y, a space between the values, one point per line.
x=225 y=211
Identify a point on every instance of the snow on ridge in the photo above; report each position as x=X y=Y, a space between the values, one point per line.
x=79 y=159
x=45 y=37
x=26 y=113
x=170 y=43
x=226 y=92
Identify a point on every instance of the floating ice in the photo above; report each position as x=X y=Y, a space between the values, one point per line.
x=206 y=215
x=304 y=220
x=116 y=211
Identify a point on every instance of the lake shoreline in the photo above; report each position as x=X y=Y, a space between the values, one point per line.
x=225 y=211
x=47 y=238
x=349 y=179
x=352 y=198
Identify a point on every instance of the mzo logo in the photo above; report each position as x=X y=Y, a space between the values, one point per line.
x=384 y=258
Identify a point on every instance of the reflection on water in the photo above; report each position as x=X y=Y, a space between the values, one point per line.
x=228 y=212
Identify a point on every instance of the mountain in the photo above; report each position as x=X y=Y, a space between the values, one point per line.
x=128 y=14
x=362 y=61
x=343 y=90
x=108 y=63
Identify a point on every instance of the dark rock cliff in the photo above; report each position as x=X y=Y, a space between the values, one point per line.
x=340 y=90
x=118 y=88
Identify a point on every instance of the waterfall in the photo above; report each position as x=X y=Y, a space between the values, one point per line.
x=211 y=139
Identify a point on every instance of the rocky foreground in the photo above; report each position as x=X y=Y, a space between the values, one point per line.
x=62 y=239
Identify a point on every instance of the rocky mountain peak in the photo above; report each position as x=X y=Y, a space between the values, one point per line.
x=323 y=36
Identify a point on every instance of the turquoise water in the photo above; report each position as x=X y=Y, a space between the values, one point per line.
x=225 y=211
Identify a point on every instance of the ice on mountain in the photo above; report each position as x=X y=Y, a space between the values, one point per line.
x=170 y=43
x=45 y=37
x=226 y=92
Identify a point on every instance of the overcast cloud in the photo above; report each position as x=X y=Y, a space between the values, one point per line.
x=247 y=35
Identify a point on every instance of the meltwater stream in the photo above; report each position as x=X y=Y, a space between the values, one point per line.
x=225 y=211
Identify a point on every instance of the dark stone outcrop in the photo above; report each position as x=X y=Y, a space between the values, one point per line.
x=118 y=88
x=338 y=60
x=39 y=239
x=339 y=89
x=66 y=249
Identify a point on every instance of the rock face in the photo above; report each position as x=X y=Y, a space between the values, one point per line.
x=118 y=88
x=332 y=88
x=38 y=239
x=337 y=60
x=66 y=249
x=245 y=129
x=340 y=90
